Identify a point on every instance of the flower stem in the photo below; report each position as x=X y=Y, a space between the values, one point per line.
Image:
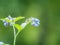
x=14 y=35
x=17 y=33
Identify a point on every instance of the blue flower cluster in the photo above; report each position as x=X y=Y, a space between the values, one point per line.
x=5 y=23
x=32 y=20
x=8 y=18
x=35 y=21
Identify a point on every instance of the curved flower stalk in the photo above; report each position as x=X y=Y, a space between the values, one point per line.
x=33 y=21
x=11 y=21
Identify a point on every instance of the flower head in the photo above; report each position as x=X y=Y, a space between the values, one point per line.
x=8 y=20
x=35 y=21
x=11 y=21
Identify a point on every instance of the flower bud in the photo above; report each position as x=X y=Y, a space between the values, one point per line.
x=23 y=25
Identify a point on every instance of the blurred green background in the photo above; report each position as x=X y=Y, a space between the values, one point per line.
x=48 y=11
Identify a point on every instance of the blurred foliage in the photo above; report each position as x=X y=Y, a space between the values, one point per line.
x=48 y=33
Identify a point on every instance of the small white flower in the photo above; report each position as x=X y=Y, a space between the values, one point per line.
x=23 y=25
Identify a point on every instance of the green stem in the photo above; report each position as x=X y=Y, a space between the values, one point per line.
x=17 y=33
x=14 y=35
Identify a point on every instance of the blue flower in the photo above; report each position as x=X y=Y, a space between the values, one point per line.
x=35 y=21
x=5 y=23
x=8 y=18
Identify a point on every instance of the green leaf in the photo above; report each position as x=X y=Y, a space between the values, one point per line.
x=18 y=26
x=18 y=18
